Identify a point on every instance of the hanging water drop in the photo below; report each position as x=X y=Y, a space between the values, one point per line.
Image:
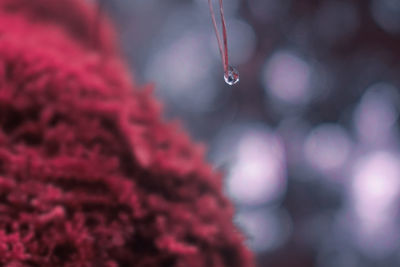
x=231 y=76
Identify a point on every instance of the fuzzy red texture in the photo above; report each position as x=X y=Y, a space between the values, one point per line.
x=90 y=175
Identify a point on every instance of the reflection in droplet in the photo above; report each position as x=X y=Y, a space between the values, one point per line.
x=231 y=76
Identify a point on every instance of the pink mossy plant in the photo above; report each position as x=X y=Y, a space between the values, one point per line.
x=90 y=174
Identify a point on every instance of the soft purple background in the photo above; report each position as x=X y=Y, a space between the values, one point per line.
x=309 y=138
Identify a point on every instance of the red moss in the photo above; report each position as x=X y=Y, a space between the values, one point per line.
x=89 y=173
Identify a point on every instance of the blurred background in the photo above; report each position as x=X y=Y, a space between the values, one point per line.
x=309 y=138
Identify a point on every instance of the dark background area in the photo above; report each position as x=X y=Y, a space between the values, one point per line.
x=309 y=138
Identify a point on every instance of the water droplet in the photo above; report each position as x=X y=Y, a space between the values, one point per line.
x=231 y=76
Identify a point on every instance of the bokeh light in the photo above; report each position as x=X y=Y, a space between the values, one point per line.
x=375 y=192
x=256 y=162
x=242 y=42
x=257 y=174
x=327 y=147
x=182 y=70
x=377 y=113
x=308 y=141
x=287 y=77
x=266 y=229
x=386 y=14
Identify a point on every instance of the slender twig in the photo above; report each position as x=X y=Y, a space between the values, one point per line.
x=223 y=47
x=224 y=34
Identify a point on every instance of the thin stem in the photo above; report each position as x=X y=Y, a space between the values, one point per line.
x=224 y=34
x=223 y=48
